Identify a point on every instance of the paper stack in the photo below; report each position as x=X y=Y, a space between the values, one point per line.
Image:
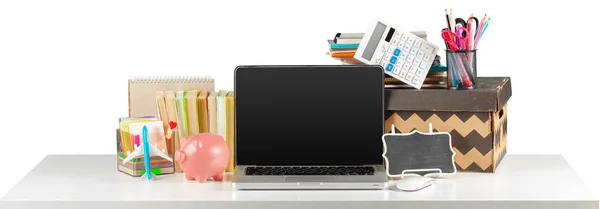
x=343 y=47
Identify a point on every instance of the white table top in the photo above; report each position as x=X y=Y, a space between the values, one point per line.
x=80 y=178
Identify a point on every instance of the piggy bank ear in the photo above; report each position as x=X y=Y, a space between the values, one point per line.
x=180 y=156
x=198 y=144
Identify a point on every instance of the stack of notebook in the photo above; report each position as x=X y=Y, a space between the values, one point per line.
x=199 y=111
x=343 y=47
x=129 y=138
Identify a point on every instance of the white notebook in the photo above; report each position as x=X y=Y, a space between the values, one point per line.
x=142 y=91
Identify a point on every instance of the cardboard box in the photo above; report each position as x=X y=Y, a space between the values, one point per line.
x=476 y=119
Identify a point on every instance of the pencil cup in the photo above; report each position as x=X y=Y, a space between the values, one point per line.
x=462 y=69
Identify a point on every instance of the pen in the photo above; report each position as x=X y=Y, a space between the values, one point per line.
x=469 y=41
x=478 y=33
x=464 y=75
x=482 y=31
x=447 y=18
x=452 y=23
x=452 y=77
x=447 y=22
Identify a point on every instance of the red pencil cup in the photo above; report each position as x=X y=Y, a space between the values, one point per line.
x=462 y=69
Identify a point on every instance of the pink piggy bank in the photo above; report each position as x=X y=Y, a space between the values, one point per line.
x=203 y=156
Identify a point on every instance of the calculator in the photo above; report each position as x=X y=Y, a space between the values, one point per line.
x=403 y=55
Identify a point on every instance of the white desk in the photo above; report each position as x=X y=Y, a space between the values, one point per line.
x=92 y=181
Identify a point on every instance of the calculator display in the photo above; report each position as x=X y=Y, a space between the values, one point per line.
x=374 y=41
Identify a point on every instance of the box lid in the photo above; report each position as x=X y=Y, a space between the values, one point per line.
x=490 y=96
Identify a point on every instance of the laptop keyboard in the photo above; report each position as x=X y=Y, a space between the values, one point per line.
x=309 y=170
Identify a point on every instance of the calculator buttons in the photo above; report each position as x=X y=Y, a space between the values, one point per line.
x=411 y=40
x=400 y=63
x=396 y=70
x=417 y=43
x=406 y=66
x=387 y=56
x=404 y=37
x=393 y=60
x=415 y=80
x=426 y=57
x=410 y=58
x=423 y=65
x=403 y=73
x=413 y=69
x=389 y=67
x=417 y=62
x=420 y=54
x=428 y=49
x=420 y=72
x=404 y=55
x=413 y=51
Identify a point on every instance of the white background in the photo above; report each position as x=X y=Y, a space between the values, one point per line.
x=64 y=64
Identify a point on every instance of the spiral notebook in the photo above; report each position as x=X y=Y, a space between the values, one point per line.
x=142 y=91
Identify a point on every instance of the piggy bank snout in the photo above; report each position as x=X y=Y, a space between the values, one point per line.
x=180 y=156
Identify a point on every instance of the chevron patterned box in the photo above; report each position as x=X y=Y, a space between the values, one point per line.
x=476 y=119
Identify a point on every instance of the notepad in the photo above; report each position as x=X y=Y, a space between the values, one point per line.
x=142 y=91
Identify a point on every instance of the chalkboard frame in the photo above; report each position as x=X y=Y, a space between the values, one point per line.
x=404 y=172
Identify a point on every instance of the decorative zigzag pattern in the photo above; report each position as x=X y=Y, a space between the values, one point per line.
x=452 y=123
x=475 y=168
x=473 y=140
x=476 y=152
x=473 y=156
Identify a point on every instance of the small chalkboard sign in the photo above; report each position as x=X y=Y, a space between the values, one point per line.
x=418 y=153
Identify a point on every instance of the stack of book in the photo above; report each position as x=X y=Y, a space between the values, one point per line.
x=199 y=111
x=343 y=47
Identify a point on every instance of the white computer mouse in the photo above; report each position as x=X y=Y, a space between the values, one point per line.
x=414 y=183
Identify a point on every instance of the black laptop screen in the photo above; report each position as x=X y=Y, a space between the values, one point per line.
x=326 y=115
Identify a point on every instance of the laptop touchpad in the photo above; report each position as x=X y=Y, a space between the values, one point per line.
x=308 y=179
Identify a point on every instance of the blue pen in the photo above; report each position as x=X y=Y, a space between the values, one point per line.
x=485 y=27
x=146 y=151
x=452 y=72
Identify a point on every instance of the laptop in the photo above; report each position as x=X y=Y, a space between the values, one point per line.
x=309 y=127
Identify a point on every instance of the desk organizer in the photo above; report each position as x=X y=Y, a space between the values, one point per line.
x=136 y=168
x=476 y=119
